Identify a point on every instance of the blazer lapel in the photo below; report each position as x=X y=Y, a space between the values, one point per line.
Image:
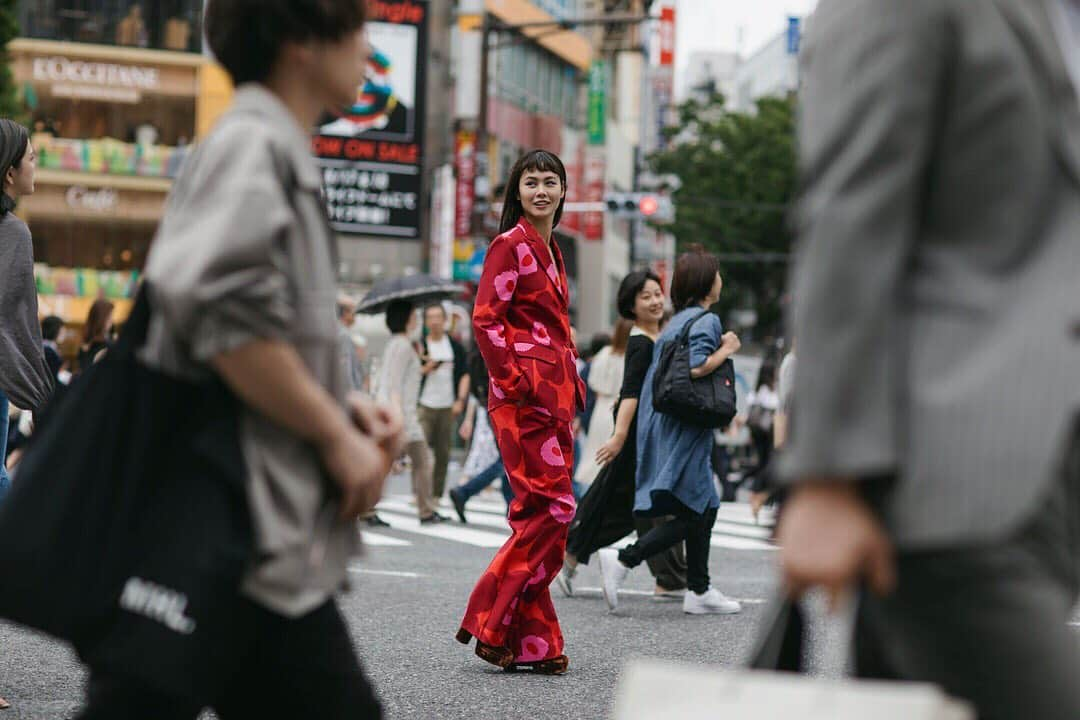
x=549 y=256
x=1034 y=23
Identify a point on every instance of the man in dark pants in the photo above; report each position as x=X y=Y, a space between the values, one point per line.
x=444 y=391
x=938 y=224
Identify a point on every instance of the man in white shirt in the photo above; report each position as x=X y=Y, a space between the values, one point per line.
x=444 y=391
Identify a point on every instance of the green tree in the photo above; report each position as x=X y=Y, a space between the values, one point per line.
x=11 y=105
x=738 y=173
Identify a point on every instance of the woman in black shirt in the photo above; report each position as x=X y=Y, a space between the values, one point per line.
x=606 y=513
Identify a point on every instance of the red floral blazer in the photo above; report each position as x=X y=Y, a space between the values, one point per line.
x=522 y=325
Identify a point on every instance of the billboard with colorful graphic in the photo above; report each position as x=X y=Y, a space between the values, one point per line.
x=371 y=153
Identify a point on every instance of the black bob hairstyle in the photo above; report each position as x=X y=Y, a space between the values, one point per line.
x=535 y=161
x=629 y=289
x=398 y=314
x=246 y=36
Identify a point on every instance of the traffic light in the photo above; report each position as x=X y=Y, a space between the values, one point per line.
x=641 y=206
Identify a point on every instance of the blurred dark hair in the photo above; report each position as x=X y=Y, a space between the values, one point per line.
x=398 y=314
x=97 y=321
x=767 y=375
x=598 y=342
x=535 y=161
x=695 y=274
x=629 y=289
x=51 y=327
x=14 y=139
x=246 y=36
x=622 y=335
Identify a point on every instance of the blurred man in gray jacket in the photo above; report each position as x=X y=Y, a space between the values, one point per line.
x=937 y=305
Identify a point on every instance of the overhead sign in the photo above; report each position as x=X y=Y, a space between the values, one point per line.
x=372 y=153
x=597 y=103
x=794 y=35
x=465 y=169
x=667 y=36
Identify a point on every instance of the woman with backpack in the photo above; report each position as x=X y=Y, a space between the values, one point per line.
x=606 y=513
x=674 y=477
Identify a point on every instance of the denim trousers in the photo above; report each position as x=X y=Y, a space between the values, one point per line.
x=486 y=477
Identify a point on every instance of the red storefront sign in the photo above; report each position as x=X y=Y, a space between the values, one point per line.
x=465 y=169
x=667 y=36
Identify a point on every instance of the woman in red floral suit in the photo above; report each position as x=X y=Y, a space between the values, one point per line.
x=522 y=327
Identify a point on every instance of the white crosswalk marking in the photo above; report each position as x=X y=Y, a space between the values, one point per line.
x=446 y=531
x=734 y=530
x=377 y=540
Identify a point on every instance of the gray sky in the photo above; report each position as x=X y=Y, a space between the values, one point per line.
x=716 y=24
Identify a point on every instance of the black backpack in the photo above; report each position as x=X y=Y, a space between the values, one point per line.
x=707 y=402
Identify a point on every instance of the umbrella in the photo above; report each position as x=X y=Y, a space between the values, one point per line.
x=418 y=289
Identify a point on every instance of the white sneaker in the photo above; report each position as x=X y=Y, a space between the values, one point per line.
x=711 y=602
x=612 y=573
x=565 y=581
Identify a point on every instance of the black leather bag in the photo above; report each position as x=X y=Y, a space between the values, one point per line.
x=707 y=402
x=127 y=532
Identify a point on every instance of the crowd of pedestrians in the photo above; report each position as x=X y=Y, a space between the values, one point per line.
x=909 y=292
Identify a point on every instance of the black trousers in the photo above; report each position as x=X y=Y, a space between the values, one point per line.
x=687 y=526
x=302 y=667
x=606 y=515
x=988 y=623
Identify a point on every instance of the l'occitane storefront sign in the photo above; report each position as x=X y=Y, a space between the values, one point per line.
x=95 y=80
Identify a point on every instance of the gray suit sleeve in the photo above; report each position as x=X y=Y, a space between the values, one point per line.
x=872 y=77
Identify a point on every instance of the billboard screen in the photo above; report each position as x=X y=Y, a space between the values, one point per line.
x=371 y=154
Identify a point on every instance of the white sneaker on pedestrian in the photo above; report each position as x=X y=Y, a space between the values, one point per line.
x=711 y=602
x=565 y=581
x=612 y=574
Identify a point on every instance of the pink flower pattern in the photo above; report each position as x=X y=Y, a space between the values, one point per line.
x=563 y=509
x=552 y=454
x=540 y=334
x=538 y=577
x=505 y=284
x=533 y=648
x=527 y=264
x=495 y=335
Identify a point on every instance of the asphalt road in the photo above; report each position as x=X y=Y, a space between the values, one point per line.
x=409 y=591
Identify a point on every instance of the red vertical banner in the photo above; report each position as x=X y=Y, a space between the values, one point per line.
x=667 y=36
x=465 y=169
x=595 y=166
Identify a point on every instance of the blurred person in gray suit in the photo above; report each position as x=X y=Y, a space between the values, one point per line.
x=937 y=305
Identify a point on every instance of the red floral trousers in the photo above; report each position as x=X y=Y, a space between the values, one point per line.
x=511 y=606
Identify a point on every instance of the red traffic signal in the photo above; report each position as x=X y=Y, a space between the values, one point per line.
x=649 y=205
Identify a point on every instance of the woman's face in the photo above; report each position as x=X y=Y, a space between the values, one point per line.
x=20 y=181
x=714 y=295
x=340 y=68
x=649 y=304
x=540 y=191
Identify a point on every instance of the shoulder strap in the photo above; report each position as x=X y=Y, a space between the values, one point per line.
x=684 y=336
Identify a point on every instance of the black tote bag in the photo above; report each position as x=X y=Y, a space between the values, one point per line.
x=707 y=402
x=126 y=532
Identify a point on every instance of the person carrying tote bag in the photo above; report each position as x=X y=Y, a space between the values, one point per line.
x=771 y=688
x=241 y=284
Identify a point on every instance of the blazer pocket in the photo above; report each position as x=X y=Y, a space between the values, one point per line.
x=536 y=352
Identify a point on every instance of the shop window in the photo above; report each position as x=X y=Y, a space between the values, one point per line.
x=157 y=24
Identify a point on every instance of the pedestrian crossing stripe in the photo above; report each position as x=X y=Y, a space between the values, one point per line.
x=488 y=528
